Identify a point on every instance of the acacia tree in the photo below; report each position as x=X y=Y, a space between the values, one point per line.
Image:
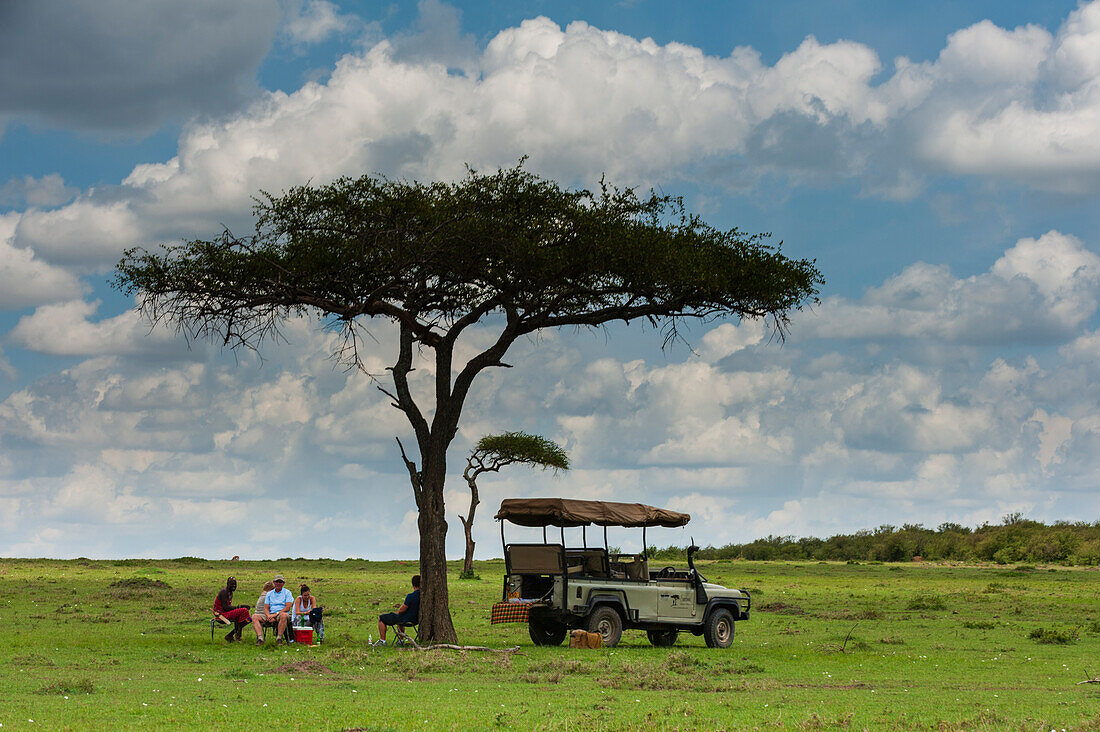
x=510 y=250
x=493 y=452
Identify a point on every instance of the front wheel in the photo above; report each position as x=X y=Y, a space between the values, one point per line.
x=718 y=629
x=606 y=621
x=545 y=631
x=662 y=638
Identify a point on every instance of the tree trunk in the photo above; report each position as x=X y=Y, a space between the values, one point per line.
x=468 y=562
x=435 y=614
x=468 y=521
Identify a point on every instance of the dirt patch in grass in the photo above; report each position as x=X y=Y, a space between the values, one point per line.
x=681 y=661
x=302 y=667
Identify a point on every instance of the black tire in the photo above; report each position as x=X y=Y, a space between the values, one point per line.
x=546 y=631
x=662 y=638
x=718 y=629
x=605 y=620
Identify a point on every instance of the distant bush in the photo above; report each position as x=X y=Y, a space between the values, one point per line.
x=1016 y=540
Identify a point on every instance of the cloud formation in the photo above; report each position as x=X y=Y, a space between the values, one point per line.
x=314 y=21
x=937 y=427
x=1041 y=291
x=1016 y=105
x=118 y=67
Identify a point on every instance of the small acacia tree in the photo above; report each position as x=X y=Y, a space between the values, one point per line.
x=510 y=250
x=493 y=452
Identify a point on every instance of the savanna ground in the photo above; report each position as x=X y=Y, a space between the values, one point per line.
x=118 y=644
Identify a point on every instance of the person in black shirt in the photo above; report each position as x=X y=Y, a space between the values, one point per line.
x=407 y=614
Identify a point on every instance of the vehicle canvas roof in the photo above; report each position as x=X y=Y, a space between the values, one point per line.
x=573 y=512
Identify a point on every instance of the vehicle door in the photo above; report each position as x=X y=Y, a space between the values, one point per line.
x=676 y=601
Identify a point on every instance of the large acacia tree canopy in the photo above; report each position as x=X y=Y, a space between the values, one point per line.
x=433 y=256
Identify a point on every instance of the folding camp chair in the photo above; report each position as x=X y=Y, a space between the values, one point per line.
x=402 y=638
x=288 y=634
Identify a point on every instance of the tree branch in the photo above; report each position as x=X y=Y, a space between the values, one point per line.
x=405 y=401
x=414 y=474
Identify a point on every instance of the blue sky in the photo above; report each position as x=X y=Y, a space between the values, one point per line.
x=940 y=160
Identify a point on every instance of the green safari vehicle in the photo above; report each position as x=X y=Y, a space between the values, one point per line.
x=559 y=588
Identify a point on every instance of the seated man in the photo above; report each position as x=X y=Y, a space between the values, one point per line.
x=277 y=605
x=236 y=614
x=407 y=614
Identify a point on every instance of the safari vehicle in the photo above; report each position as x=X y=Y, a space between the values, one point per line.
x=558 y=588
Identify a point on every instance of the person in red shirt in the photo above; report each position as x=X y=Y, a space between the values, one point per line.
x=236 y=614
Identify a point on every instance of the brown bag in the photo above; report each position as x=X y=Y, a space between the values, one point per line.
x=584 y=639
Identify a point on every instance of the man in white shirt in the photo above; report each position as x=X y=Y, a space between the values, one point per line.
x=278 y=603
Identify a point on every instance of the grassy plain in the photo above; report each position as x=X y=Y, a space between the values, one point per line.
x=122 y=644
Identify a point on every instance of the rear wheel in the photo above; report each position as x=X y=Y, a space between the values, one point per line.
x=606 y=621
x=545 y=631
x=662 y=638
x=718 y=630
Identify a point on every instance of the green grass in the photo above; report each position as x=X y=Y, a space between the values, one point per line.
x=119 y=644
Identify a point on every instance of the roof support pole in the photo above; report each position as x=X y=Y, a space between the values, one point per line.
x=503 y=544
x=563 y=536
x=543 y=534
x=584 y=536
x=606 y=548
x=645 y=547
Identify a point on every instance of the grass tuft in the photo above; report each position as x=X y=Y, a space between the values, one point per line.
x=141 y=583
x=1053 y=635
x=927 y=602
x=84 y=686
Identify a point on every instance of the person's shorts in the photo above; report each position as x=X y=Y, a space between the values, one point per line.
x=394 y=619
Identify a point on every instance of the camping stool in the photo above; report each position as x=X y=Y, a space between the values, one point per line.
x=215 y=621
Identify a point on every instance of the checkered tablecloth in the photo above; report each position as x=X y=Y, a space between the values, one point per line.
x=510 y=612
